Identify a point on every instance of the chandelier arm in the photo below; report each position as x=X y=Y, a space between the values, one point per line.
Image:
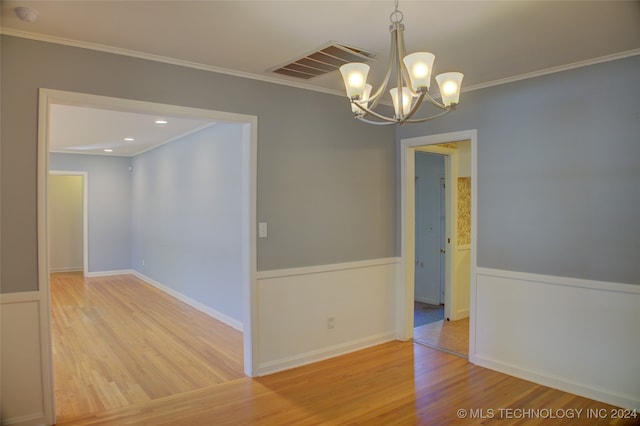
x=414 y=108
x=383 y=86
x=399 y=71
x=422 y=120
x=434 y=102
x=402 y=68
x=375 y=114
x=377 y=123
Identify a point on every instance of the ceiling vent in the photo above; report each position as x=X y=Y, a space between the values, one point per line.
x=323 y=60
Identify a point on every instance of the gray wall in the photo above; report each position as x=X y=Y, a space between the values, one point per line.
x=326 y=183
x=109 y=207
x=187 y=225
x=558 y=171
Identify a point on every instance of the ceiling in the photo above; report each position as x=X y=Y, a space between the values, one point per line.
x=491 y=42
x=83 y=130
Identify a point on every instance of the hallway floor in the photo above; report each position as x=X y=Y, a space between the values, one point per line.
x=450 y=336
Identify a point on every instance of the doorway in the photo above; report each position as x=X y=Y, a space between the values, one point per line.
x=248 y=211
x=458 y=304
x=68 y=221
x=430 y=238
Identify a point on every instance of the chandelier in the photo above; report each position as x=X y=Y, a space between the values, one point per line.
x=412 y=74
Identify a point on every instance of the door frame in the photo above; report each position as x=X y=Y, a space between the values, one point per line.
x=408 y=147
x=48 y=97
x=85 y=214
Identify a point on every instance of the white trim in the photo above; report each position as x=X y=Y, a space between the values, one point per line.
x=553 y=70
x=109 y=273
x=46 y=370
x=405 y=294
x=563 y=281
x=163 y=59
x=324 y=353
x=36 y=419
x=195 y=65
x=308 y=270
x=24 y=296
x=47 y=97
x=546 y=369
x=191 y=302
x=427 y=300
x=591 y=392
x=85 y=217
x=66 y=269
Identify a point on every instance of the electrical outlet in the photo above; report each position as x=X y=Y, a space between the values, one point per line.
x=331 y=322
x=142 y=262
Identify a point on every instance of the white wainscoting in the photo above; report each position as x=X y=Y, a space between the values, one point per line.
x=25 y=377
x=579 y=336
x=463 y=283
x=294 y=307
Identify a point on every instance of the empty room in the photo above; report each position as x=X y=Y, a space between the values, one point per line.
x=304 y=243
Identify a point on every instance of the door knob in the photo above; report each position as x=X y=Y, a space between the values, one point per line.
x=443 y=251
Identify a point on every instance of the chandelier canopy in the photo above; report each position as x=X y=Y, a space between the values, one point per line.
x=412 y=75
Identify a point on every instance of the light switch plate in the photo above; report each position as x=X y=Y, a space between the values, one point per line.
x=262 y=230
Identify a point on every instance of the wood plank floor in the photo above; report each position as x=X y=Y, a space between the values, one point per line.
x=452 y=336
x=118 y=341
x=397 y=383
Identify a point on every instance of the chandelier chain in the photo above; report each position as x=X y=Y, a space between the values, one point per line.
x=396 y=16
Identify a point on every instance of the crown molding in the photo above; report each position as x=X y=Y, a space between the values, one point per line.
x=242 y=74
x=163 y=59
x=553 y=70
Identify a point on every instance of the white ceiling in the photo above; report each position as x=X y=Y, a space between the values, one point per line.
x=83 y=130
x=489 y=41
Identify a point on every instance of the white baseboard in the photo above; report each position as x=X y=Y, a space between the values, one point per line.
x=461 y=314
x=591 y=391
x=66 y=269
x=324 y=353
x=191 y=302
x=109 y=273
x=579 y=336
x=427 y=300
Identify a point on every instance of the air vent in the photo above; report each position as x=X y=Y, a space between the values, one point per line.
x=323 y=60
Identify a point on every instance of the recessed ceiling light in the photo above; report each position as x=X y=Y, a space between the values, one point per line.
x=108 y=150
x=161 y=121
x=129 y=139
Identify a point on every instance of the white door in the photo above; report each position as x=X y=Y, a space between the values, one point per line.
x=429 y=268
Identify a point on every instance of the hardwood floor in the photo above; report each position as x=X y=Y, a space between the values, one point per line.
x=397 y=383
x=452 y=336
x=117 y=341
